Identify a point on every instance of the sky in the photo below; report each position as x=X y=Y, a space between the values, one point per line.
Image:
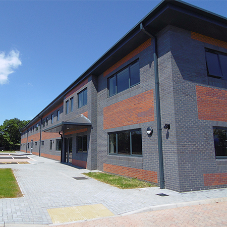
x=46 y=45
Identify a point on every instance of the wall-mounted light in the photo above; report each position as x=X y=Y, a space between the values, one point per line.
x=149 y=131
x=167 y=126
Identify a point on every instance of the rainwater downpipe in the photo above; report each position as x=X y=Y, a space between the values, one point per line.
x=40 y=136
x=158 y=111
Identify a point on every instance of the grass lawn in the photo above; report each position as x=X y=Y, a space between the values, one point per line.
x=8 y=184
x=119 y=181
x=7 y=151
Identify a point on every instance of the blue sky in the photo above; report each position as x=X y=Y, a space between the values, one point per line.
x=46 y=45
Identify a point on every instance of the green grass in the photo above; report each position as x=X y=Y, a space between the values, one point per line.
x=119 y=181
x=7 y=151
x=8 y=184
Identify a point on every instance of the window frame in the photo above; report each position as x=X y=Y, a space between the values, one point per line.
x=77 y=150
x=71 y=104
x=116 y=133
x=58 y=141
x=52 y=118
x=67 y=107
x=115 y=75
x=82 y=93
x=58 y=115
x=220 y=128
x=218 y=53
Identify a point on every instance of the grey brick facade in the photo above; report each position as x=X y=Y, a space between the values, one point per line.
x=188 y=147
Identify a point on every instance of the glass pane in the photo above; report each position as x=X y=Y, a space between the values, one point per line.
x=123 y=80
x=220 y=142
x=71 y=101
x=67 y=107
x=136 y=137
x=124 y=143
x=213 y=65
x=84 y=143
x=85 y=97
x=134 y=74
x=79 y=144
x=80 y=99
x=112 y=143
x=112 y=86
x=223 y=62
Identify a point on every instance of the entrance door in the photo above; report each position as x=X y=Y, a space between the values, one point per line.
x=68 y=150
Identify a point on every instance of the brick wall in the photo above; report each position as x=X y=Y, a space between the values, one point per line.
x=213 y=179
x=80 y=163
x=212 y=103
x=139 y=49
x=131 y=172
x=134 y=110
x=76 y=131
x=209 y=40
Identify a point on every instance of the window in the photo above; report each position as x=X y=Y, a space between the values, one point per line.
x=35 y=143
x=220 y=142
x=124 y=79
x=50 y=144
x=43 y=122
x=126 y=142
x=58 y=115
x=58 y=144
x=37 y=126
x=82 y=143
x=52 y=118
x=67 y=107
x=46 y=121
x=82 y=98
x=42 y=143
x=71 y=104
x=216 y=64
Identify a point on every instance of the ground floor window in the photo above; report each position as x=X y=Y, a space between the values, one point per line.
x=58 y=144
x=220 y=142
x=50 y=144
x=126 y=142
x=82 y=143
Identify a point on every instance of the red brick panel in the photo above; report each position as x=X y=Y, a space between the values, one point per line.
x=51 y=156
x=34 y=137
x=80 y=163
x=141 y=174
x=139 y=49
x=134 y=110
x=76 y=131
x=85 y=114
x=23 y=151
x=211 y=103
x=207 y=39
x=212 y=179
x=50 y=135
x=24 y=140
x=77 y=88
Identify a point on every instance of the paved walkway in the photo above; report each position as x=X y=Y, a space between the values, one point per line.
x=47 y=184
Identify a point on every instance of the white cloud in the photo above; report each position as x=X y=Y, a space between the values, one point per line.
x=7 y=64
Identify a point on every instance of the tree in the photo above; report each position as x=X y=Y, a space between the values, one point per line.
x=10 y=133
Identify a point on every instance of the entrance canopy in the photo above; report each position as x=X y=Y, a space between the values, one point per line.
x=67 y=126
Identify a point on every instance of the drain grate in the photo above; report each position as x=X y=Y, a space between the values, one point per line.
x=162 y=194
x=80 y=178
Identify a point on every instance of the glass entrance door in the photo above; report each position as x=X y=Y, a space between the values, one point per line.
x=68 y=150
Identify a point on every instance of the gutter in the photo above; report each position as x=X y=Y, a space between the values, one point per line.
x=158 y=111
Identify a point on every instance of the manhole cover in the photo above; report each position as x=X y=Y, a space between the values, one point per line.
x=162 y=194
x=80 y=178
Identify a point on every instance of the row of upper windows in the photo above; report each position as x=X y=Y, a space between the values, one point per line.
x=82 y=101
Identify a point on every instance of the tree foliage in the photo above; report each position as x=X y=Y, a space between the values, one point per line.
x=10 y=133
